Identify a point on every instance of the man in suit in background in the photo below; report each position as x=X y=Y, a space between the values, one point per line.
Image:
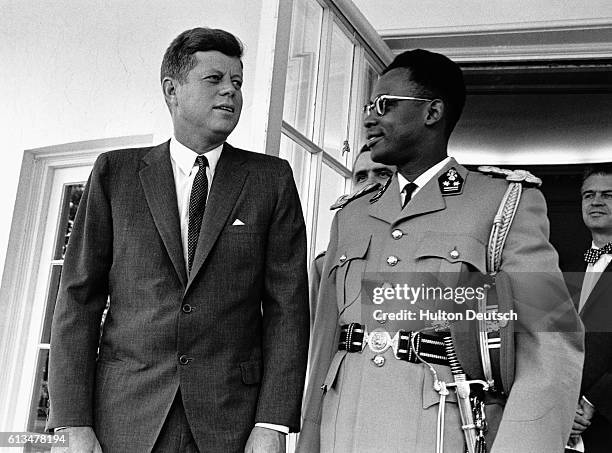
x=365 y=172
x=593 y=420
x=200 y=249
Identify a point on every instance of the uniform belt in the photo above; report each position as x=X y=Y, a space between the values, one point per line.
x=354 y=337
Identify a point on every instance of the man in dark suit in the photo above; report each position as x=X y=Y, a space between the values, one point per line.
x=200 y=249
x=593 y=420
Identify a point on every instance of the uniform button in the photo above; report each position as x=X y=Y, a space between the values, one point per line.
x=184 y=360
x=397 y=234
x=392 y=260
x=378 y=360
x=342 y=259
x=187 y=308
x=454 y=254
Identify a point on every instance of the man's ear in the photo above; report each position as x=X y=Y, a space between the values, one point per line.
x=435 y=112
x=169 y=89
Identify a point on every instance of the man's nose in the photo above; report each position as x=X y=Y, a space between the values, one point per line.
x=228 y=89
x=370 y=119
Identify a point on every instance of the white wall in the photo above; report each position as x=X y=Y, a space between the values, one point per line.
x=88 y=69
x=406 y=14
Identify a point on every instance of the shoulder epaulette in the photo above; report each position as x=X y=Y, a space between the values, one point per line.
x=522 y=176
x=346 y=199
x=382 y=190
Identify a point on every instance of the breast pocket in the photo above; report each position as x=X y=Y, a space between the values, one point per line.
x=348 y=267
x=453 y=253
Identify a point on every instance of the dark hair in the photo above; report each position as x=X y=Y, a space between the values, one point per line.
x=179 y=60
x=597 y=169
x=438 y=76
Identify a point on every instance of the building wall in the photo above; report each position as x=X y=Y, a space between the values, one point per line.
x=387 y=15
x=84 y=70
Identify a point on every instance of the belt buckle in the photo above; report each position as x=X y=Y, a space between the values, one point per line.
x=379 y=342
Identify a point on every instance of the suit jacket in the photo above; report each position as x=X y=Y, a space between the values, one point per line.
x=232 y=336
x=597 y=374
x=353 y=405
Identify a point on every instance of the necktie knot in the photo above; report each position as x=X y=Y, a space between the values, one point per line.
x=201 y=162
x=408 y=190
x=592 y=255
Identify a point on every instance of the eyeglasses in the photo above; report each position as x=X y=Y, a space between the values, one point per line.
x=379 y=104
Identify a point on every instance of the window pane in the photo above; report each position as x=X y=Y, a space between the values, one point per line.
x=299 y=159
x=338 y=99
x=72 y=197
x=300 y=90
x=332 y=186
x=40 y=403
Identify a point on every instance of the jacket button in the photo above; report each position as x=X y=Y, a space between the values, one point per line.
x=397 y=234
x=454 y=254
x=378 y=360
x=392 y=260
x=187 y=308
x=184 y=360
x=342 y=259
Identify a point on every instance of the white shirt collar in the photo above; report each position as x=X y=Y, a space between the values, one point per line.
x=424 y=177
x=185 y=157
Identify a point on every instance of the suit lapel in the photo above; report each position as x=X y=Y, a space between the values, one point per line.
x=601 y=288
x=226 y=186
x=157 y=181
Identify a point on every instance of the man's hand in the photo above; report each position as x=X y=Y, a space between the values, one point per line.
x=265 y=440
x=81 y=439
x=582 y=418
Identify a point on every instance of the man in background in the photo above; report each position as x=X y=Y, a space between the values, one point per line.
x=200 y=249
x=593 y=420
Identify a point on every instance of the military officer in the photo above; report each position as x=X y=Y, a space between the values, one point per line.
x=368 y=389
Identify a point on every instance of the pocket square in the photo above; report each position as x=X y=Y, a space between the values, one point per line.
x=238 y=222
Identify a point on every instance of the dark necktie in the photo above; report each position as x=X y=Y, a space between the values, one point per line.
x=592 y=255
x=408 y=190
x=197 y=203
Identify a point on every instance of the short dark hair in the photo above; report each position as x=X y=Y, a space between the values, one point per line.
x=596 y=169
x=438 y=76
x=179 y=59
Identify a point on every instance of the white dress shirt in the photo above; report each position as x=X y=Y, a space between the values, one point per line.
x=184 y=168
x=421 y=180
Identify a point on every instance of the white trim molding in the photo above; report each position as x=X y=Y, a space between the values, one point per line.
x=20 y=275
x=553 y=40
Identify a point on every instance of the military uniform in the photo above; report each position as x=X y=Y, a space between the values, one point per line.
x=372 y=402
